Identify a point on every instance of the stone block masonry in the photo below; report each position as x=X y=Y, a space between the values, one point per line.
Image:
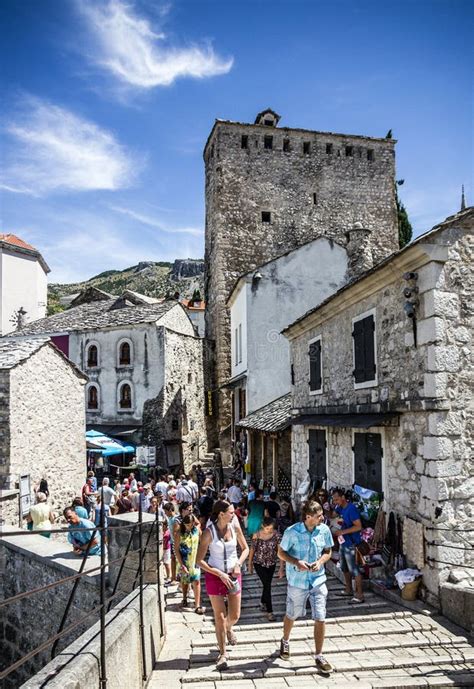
x=269 y=190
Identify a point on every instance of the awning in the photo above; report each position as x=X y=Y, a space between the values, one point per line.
x=347 y=420
x=101 y=443
x=233 y=382
x=112 y=431
x=271 y=418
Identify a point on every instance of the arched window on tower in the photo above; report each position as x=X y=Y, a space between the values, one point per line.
x=92 y=356
x=92 y=398
x=125 y=354
x=125 y=396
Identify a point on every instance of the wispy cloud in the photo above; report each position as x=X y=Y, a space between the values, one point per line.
x=53 y=149
x=129 y=49
x=151 y=222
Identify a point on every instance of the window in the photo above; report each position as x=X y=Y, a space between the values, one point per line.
x=92 y=398
x=242 y=404
x=349 y=151
x=268 y=123
x=363 y=334
x=286 y=145
x=306 y=147
x=239 y=361
x=236 y=340
x=315 y=368
x=329 y=149
x=268 y=142
x=125 y=354
x=266 y=216
x=244 y=141
x=368 y=455
x=370 y=154
x=125 y=396
x=92 y=356
x=315 y=198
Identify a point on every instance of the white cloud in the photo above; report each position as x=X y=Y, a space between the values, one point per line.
x=54 y=149
x=151 y=222
x=128 y=48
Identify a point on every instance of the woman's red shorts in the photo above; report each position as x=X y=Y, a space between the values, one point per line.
x=216 y=587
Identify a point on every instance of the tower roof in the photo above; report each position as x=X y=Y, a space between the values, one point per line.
x=18 y=245
x=268 y=114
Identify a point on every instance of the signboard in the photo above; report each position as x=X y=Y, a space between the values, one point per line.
x=25 y=495
x=146 y=456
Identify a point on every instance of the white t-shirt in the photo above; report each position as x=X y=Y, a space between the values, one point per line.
x=109 y=495
x=234 y=494
x=162 y=486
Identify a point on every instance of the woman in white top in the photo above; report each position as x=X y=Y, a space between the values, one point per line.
x=223 y=572
x=41 y=515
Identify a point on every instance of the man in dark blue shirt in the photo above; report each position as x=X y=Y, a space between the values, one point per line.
x=349 y=537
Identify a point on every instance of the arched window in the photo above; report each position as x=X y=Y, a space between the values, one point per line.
x=125 y=354
x=125 y=396
x=92 y=398
x=92 y=356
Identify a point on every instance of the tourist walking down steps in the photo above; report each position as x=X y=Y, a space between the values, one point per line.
x=306 y=547
x=223 y=572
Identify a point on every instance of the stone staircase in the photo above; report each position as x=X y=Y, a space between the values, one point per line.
x=376 y=644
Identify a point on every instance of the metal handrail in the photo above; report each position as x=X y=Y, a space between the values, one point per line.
x=104 y=605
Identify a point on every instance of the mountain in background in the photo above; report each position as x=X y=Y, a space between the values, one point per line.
x=148 y=277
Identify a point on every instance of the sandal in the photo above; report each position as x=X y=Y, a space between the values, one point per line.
x=184 y=603
x=271 y=617
x=231 y=638
x=221 y=663
x=200 y=610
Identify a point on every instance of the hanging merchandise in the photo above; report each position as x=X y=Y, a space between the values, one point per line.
x=304 y=486
x=380 y=529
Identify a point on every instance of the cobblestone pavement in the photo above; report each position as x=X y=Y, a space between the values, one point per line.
x=377 y=644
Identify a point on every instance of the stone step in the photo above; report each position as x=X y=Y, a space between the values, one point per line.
x=342 y=630
x=370 y=606
x=334 y=645
x=355 y=662
x=380 y=620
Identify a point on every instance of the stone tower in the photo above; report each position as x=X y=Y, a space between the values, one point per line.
x=268 y=190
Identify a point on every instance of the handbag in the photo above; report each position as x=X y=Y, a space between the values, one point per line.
x=362 y=550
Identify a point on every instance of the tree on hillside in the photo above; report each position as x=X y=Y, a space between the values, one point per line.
x=405 y=230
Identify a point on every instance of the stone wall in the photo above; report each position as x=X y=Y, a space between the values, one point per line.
x=47 y=426
x=427 y=463
x=9 y=507
x=308 y=195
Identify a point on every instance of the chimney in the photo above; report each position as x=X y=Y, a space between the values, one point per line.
x=359 y=250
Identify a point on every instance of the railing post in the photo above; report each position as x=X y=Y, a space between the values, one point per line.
x=140 y=579
x=158 y=572
x=103 y=672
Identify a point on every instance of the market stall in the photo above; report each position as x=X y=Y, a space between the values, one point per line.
x=101 y=448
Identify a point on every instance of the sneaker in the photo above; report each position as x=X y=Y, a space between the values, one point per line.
x=221 y=663
x=284 y=649
x=323 y=665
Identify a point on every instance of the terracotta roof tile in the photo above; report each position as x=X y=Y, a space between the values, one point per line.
x=16 y=241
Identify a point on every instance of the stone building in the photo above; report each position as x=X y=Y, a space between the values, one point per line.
x=270 y=189
x=23 y=283
x=382 y=393
x=261 y=304
x=144 y=365
x=42 y=422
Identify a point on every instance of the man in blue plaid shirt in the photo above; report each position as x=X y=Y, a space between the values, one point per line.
x=306 y=547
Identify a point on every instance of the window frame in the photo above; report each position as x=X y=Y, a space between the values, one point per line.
x=318 y=391
x=131 y=408
x=95 y=344
x=93 y=410
x=122 y=341
x=325 y=429
x=374 y=381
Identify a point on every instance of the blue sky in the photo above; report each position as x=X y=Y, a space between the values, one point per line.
x=107 y=106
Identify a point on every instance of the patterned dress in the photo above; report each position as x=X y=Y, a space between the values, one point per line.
x=188 y=547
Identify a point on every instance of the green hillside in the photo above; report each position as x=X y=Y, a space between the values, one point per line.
x=155 y=279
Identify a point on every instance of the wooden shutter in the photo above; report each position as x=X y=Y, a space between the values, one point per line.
x=317 y=454
x=315 y=381
x=364 y=349
x=368 y=460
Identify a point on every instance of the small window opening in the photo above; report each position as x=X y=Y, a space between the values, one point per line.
x=190 y=377
x=329 y=149
x=306 y=147
x=349 y=151
x=370 y=154
x=124 y=354
x=286 y=145
x=315 y=198
x=92 y=398
x=266 y=216
x=244 y=142
x=268 y=123
x=256 y=143
x=268 y=142
x=125 y=397
x=92 y=357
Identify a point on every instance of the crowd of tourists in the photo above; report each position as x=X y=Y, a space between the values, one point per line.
x=222 y=533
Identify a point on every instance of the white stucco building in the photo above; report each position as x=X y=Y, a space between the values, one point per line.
x=143 y=360
x=23 y=283
x=262 y=303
